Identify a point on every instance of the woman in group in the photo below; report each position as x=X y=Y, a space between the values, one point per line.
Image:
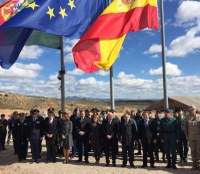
x=95 y=137
x=66 y=134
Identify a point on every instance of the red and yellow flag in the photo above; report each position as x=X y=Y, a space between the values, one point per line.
x=101 y=44
x=9 y=8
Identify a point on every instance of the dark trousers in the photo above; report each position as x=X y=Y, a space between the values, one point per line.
x=159 y=146
x=130 y=150
x=15 y=145
x=97 y=152
x=74 y=150
x=51 y=149
x=147 y=151
x=183 y=148
x=22 y=148
x=35 y=148
x=82 y=143
x=4 y=139
x=170 y=150
x=1 y=141
x=110 y=146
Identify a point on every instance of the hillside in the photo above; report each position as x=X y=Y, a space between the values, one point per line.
x=24 y=102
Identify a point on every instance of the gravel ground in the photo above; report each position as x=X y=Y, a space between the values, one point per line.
x=9 y=165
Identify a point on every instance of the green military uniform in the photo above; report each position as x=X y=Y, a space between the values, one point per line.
x=192 y=128
x=169 y=133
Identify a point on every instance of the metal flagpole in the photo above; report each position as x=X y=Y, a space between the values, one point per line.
x=62 y=75
x=112 y=100
x=166 y=104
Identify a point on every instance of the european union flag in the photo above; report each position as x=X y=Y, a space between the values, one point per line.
x=70 y=18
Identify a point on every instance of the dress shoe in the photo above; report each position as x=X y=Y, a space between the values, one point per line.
x=79 y=160
x=132 y=165
x=86 y=161
x=185 y=160
x=123 y=165
x=107 y=164
x=114 y=164
x=174 y=167
x=36 y=161
x=139 y=153
x=152 y=166
x=168 y=166
x=143 y=166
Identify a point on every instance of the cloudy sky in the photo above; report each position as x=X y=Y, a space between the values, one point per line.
x=137 y=71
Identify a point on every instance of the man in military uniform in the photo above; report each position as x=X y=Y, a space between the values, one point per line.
x=35 y=134
x=183 y=143
x=21 y=136
x=156 y=135
x=3 y=131
x=169 y=134
x=192 y=129
x=12 y=123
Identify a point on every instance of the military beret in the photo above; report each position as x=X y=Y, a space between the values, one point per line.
x=167 y=111
x=140 y=110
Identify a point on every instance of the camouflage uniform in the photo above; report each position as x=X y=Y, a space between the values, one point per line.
x=192 y=127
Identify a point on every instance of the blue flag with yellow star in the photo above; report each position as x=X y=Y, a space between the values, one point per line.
x=70 y=18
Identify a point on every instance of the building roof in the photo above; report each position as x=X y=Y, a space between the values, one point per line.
x=176 y=101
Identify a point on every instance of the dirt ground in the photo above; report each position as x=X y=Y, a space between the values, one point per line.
x=9 y=165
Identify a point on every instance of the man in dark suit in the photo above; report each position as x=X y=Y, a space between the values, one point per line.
x=138 y=118
x=82 y=128
x=50 y=132
x=127 y=136
x=3 y=131
x=35 y=133
x=146 y=138
x=74 y=119
x=110 y=134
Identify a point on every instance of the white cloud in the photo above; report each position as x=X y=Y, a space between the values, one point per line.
x=69 y=58
x=122 y=75
x=184 y=45
x=155 y=48
x=188 y=12
x=171 y=70
x=102 y=73
x=69 y=44
x=75 y=72
x=155 y=56
x=188 y=15
x=126 y=86
x=31 y=52
x=19 y=70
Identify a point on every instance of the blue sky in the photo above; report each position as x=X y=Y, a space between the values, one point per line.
x=137 y=71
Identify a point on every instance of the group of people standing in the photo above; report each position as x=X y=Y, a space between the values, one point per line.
x=102 y=132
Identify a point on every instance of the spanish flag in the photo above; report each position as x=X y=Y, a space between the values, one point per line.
x=101 y=44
